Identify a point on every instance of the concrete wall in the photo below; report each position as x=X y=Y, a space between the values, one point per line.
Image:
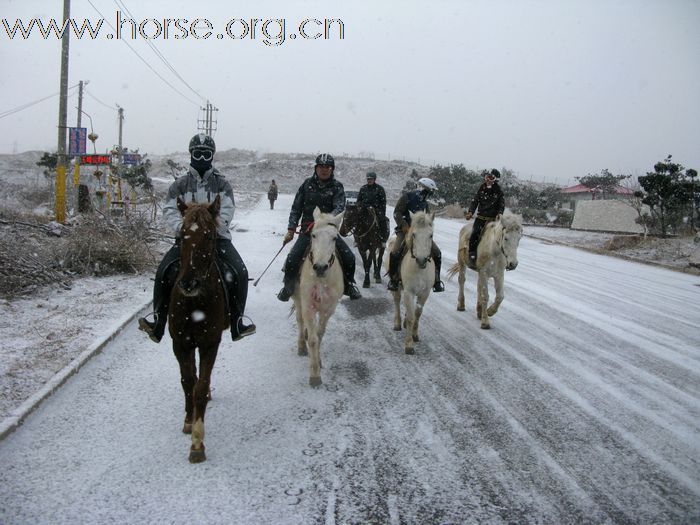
x=605 y=215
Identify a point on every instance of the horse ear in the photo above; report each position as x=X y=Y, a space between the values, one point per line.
x=215 y=206
x=498 y=217
x=181 y=205
x=338 y=219
x=410 y=214
x=317 y=213
x=432 y=216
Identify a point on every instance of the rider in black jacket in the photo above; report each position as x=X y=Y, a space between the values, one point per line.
x=491 y=203
x=328 y=194
x=372 y=195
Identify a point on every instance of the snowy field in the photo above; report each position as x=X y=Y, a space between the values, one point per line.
x=580 y=405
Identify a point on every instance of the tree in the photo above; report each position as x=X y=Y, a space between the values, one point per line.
x=175 y=168
x=669 y=193
x=137 y=175
x=605 y=182
x=48 y=161
x=455 y=183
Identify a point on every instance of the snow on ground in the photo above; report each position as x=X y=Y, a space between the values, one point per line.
x=580 y=405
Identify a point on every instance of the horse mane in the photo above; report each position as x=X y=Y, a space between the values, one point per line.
x=511 y=221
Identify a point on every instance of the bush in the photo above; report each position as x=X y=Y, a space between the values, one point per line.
x=534 y=216
x=563 y=218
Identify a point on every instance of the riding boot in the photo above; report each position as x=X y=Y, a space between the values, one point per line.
x=438 y=286
x=394 y=262
x=237 y=294
x=161 y=300
x=287 y=290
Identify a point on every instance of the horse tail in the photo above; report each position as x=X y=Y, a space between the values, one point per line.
x=452 y=271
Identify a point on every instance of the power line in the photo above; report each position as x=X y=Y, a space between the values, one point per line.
x=142 y=59
x=98 y=100
x=12 y=111
x=165 y=61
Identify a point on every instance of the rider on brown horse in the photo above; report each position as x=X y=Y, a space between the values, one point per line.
x=202 y=183
x=412 y=202
x=373 y=196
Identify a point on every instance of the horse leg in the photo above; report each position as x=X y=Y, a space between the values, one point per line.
x=314 y=352
x=483 y=300
x=498 y=285
x=367 y=265
x=408 y=303
x=188 y=377
x=460 y=296
x=301 y=340
x=420 y=302
x=397 y=309
x=378 y=257
x=207 y=357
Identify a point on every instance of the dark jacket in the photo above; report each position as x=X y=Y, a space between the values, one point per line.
x=272 y=192
x=373 y=196
x=412 y=201
x=328 y=196
x=490 y=201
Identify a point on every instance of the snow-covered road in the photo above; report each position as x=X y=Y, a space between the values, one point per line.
x=581 y=404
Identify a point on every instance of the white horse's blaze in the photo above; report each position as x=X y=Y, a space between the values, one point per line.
x=416 y=282
x=497 y=251
x=316 y=297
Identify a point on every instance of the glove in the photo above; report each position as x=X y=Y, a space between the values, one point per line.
x=468 y=215
x=404 y=229
x=288 y=237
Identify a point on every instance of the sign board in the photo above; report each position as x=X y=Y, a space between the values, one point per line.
x=77 y=138
x=95 y=159
x=131 y=158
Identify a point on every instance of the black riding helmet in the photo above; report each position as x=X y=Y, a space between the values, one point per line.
x=325 y=159
x=202 y=141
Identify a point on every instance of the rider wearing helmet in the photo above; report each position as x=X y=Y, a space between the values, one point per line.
x=372 y=195
x=412 y=202
x=201 y=183
x=320 y=190
x=491 y=203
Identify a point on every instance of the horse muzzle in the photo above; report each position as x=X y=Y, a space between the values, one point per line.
x=422 y=262
x=512 y=265
x=320 y=269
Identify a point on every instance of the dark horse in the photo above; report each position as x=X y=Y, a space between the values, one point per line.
x=366 y=229
x=197 y=314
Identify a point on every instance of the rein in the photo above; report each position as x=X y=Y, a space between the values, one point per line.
x=311 y=252
x=353 y=230
x=413 y=255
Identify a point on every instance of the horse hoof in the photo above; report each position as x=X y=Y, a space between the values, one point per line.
x=460 y=308
x=397 y=328
x=315 y=382
x=486 y=327
x=409 y=351
x=365 y=285
x=378 y=280
x=302 y=352
x=197 y=456
x=416 y=338
x=187 y=428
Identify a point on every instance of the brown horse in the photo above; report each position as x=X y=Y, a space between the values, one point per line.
x=197 y=314
x=366 y=229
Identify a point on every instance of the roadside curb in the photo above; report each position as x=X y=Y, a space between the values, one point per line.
x=20 y=414
x=608 y=253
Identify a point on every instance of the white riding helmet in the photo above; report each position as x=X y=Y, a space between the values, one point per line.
x=428 y=184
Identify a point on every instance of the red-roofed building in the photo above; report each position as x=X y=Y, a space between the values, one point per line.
x=572 y=194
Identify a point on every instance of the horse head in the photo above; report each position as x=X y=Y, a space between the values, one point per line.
x=419 y=239
x=197 y=244
x=349 y=222
x=511 y=233
x=323 y=236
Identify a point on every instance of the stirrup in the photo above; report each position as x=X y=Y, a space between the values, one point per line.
x=393 y=285
x=241 y=330
x=284 y=294
x=150 y=328
x=352 y=292
x=439 y=286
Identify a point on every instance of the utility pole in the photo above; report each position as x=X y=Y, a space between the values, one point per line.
x=207 y=124
x=60 y=203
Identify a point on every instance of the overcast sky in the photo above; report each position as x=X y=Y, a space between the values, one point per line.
x=551 y=89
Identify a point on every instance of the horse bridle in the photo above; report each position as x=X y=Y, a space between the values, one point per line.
x=332 y=259
x=369 y=228
x=430 y=257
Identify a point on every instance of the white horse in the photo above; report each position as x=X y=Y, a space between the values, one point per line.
x=497 y=251
x=417 y=272
x=319 y=289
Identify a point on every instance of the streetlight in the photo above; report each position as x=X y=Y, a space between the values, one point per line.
x=92 y=136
